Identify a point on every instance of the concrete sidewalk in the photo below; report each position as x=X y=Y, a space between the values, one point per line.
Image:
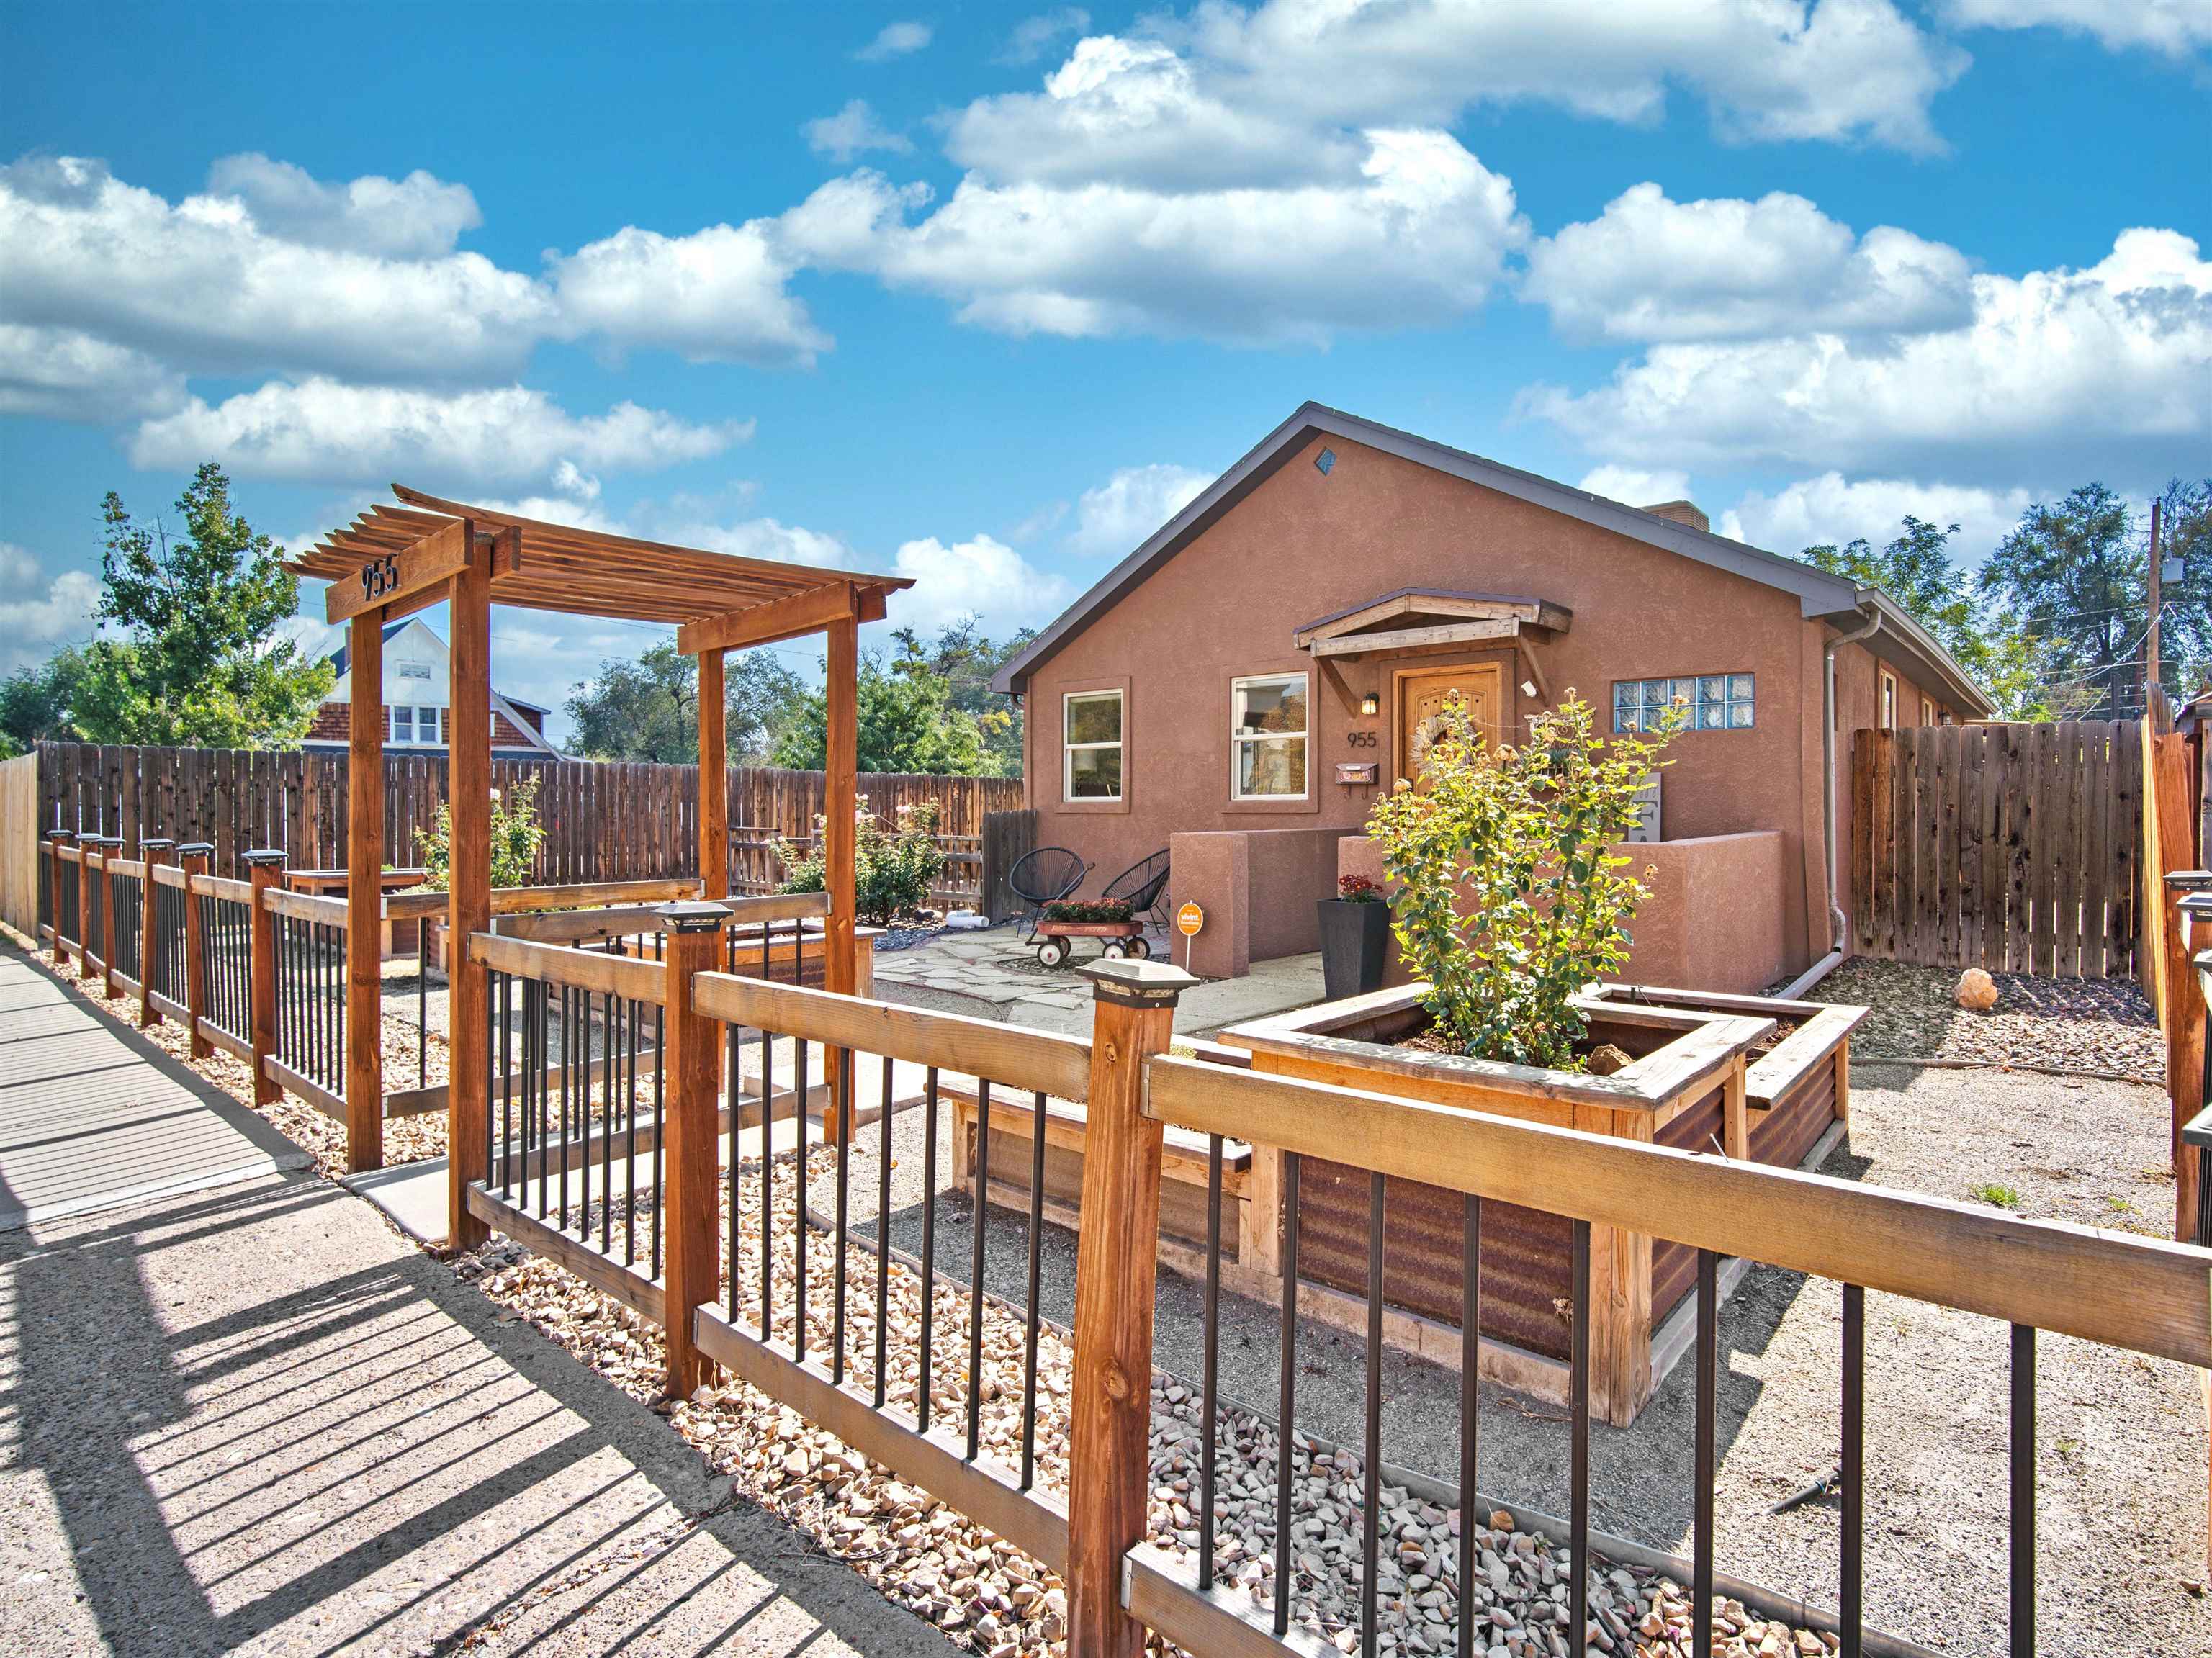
x=93 y=1116
x=254 y=1420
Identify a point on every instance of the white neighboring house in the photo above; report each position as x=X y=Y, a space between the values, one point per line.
x=418 y=698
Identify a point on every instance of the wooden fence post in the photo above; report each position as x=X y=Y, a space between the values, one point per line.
x=85 y=846
x=114 y=844
x=1116 y=1266
x=156 y=851
x=689 y=1127
x=265 y=869
x=193 y=856
x=53 y=877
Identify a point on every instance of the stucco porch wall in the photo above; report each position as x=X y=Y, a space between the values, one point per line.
x=1258 y=889
x=1717 y=919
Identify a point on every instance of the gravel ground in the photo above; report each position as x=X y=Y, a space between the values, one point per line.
x=2070 y=1024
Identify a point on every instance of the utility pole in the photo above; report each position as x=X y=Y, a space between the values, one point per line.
x=2150 y=639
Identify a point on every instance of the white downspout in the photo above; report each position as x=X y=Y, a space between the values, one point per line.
x=1836 y=920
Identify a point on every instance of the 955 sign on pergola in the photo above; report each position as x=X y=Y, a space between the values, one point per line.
x=403 y=571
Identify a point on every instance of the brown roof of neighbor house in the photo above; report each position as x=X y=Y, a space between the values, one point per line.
x=1829 y=598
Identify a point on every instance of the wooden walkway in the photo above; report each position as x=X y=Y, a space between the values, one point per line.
x=93 y=1116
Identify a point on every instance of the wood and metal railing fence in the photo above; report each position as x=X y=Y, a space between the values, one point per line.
x=888 y=1349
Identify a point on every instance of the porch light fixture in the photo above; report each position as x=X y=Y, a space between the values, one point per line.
x=1370 y=704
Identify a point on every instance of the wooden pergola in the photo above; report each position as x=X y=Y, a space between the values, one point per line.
x=394 y=559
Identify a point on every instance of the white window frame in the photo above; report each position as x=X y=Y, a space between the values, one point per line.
x=392 y=730
x=429 y=725
x=1068 y=750
x=1238 y=739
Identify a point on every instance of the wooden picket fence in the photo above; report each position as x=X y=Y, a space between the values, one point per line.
x=2013 y=847
x=604 y=821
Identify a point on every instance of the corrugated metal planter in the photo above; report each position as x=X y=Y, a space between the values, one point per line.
x=1688 y=1085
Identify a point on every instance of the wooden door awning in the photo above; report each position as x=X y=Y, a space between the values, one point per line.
x=401 y=557
x=1412 y=621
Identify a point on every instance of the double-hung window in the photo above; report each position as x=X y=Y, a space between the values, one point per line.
x=426 y=725
x=403 y=723
x=413 y=725
x=1090 y=731
x=1267 y=737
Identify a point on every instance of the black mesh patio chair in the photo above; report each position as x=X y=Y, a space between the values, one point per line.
x=1043 y=877
x=1142 y=886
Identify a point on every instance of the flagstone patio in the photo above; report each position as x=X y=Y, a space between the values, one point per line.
x=992 y=974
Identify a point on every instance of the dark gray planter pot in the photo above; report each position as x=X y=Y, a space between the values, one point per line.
x=1354 y=937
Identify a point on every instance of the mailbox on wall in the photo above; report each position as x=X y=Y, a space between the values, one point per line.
x=1356 y=774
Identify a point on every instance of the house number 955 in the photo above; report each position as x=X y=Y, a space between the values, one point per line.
x=1360 y=739
x=379 y=577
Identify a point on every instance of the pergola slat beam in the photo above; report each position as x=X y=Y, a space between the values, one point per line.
x=764 y=624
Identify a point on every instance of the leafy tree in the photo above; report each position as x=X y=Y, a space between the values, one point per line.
x=648 y=709
x=965 y=659
x=35 y=703
x=196 y=662
x=893 y=869
x=2023 y=674
x=2076 y=573
x=907 y=722
x=2184 y=632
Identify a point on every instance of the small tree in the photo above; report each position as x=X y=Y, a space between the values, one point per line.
x=1512 y=898
x=892 y=870
x=516 y=834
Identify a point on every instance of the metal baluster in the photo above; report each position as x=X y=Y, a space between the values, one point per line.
x=491 y=1002
x=1209 y=1363
x=660 y=1126
x=421 y=1003
x=1470 y=1408
x=1578 y=1419
x=542 y=1032
x=2022 y=1588
x=928 y=1242
x=1029 y=1335
x=884 y=1239
x=840 y=1102
x=768 y=1174
x=737 y=1129
x=799 y=1205
x=506 y=1085
x=610 y=1076
x=629 y=1129
x=1286 y=1392
x=978 y=1225
x=1708 y=1454
x=1371 y=1540
x=1852 y=1609
x=568 y=1080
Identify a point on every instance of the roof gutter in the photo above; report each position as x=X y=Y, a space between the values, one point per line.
x=1868 y=627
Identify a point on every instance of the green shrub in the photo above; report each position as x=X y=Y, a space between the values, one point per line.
x=893 y=870
x=516 y=834
x=1510 y=898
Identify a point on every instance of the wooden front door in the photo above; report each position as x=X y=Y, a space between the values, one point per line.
x=1422 y=696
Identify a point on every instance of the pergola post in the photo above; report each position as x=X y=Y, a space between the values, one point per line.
x=364 y=1011
x=468 y=792
x=842 y=761
x=713 y=776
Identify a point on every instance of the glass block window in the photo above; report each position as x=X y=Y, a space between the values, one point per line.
x=1713 y=702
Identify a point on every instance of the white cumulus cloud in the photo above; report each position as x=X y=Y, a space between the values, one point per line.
x=716 y=295
x=1829 y=509
x=65 y=374
x=1114 y=517
x=1417 y=239
x=852 y=130
x=38 y=614
x=1652 y=268
x=981 y=577
x=1635 y=486
x=202 y=287
x=420 y=217
x=322 y=430
x=2174 y=27
x=2058 y=372
x=894 y=41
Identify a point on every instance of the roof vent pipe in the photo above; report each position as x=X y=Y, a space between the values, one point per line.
x=1873 y=626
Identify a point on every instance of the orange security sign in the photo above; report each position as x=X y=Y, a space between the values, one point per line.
x=1189 y=920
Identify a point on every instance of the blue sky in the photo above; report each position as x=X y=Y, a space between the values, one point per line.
x=980 y=293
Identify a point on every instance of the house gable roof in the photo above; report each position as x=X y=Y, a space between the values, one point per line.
x=1829 y=598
